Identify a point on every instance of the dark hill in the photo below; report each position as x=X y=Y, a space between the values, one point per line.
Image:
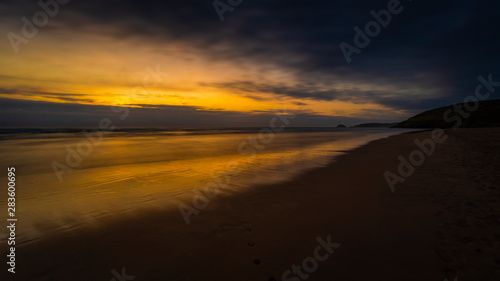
x=486 y=115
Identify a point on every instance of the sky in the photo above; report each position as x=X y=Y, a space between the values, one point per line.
x=176 y=63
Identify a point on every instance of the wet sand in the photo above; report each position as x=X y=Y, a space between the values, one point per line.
x=442 y=222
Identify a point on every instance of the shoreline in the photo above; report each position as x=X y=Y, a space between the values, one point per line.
x=261 y=233
x=236 y=182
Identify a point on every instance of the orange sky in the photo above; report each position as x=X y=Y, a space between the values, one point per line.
x=90 y=68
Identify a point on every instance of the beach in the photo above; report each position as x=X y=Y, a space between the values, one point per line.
x=442 y=222
x=234 y=140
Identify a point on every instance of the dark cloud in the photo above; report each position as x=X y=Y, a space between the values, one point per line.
x=32 y=114
x=406 y=99
x=450 y=42
x=33 y=93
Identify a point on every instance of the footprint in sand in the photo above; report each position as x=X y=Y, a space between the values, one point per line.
x=252 y=245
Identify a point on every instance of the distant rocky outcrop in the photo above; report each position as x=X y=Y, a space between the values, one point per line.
x=375 y=125
x=487 y=114
x=341 y=126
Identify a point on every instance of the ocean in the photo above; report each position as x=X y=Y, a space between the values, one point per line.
x=66 y=178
